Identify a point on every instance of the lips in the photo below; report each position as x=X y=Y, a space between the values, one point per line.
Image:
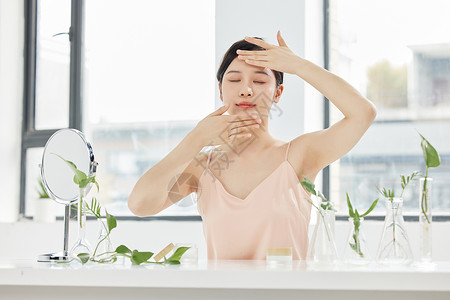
x=245 y=104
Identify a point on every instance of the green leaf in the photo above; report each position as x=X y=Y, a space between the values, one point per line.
x=84 y=257
x=178 y=253
x=430 y=154
x=122 y=249
x=308 y=185
x=350 y=207
x=370 y=208
x=138 y=258
x=111 y=220
x=172 y=262
x=79 y=175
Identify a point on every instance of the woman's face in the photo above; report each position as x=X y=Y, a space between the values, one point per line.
x=244 y=82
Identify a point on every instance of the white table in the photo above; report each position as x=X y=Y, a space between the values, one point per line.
x=28 y=279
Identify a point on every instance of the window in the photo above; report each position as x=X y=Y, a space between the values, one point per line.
x=397 y=54
x=126 y=76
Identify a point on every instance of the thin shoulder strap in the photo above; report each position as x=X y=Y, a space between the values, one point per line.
x=209 y=157
x=287 y=150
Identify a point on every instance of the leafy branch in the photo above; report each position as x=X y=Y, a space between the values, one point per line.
x=356 y=217
x=404 y=180
x=390 y=195
x=432 y=160
x=310 y=187
x=94 y=208
x=323 y=206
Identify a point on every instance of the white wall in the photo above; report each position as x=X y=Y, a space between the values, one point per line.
x=11 y=78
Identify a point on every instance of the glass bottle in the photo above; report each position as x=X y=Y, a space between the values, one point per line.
x=425 y=220
x=103 y=245
x=322 y=249
x=394 y=246
x=355 y=249
x=82 y=244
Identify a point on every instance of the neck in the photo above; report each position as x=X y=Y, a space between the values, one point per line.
x=260 y=140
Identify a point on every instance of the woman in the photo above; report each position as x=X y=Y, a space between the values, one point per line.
x=249 y=195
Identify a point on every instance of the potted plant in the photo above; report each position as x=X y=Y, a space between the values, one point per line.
x=44 y=206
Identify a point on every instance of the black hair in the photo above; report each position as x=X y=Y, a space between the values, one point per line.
x=231 y=54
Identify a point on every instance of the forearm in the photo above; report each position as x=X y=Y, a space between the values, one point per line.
x=151 y=190
x=344 y=96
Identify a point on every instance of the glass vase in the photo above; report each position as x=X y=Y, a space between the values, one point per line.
x=355 y=249
x=103 y=246
x=425 y=220
x=82 y=244
x=322 y=249
x=394 y=247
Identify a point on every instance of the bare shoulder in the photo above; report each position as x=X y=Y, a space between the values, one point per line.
x=301 y=156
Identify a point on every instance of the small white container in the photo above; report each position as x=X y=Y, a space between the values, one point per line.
x=279 y=256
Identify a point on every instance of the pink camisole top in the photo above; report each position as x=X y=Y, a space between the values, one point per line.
x=274 y=214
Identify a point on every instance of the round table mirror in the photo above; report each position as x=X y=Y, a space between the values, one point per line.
x=57 y=176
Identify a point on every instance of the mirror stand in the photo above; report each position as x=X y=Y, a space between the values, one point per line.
x=63 y=255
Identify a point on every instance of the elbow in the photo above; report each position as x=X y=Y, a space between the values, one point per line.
x=136 y=206
x=371 y=112
x=368 y=112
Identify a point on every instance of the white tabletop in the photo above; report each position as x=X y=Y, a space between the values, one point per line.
x=227 y=274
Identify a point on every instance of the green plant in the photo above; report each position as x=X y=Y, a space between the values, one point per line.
x=82 y=180
x=432 y=160
x=390 y=193
x=310 y=187
x=94 y=208
x=324 y=205
x=136 y=257
x=356 y=217
x=41 y=190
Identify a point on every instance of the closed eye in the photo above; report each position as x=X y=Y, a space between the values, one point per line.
x=261 y=82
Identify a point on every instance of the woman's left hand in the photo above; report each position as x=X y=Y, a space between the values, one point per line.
x=279 y=58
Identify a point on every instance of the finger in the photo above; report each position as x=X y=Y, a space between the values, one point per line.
x=239 y=133
x=249 y=52
x=258 y=63
x=281 y=41
x=259 y=42
x=240 y=119
x=253 y=57
x=220 y=110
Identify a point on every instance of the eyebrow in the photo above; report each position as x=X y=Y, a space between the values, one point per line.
x=256 y=72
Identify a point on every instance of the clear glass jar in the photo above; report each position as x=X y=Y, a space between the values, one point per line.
x=322 y=249
x=394 y=246
x=103 y=245
x=355 y=249
x=82 y=244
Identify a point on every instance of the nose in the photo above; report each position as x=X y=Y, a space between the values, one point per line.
x=246 y=92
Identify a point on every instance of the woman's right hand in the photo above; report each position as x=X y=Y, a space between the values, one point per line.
x=218 y=129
